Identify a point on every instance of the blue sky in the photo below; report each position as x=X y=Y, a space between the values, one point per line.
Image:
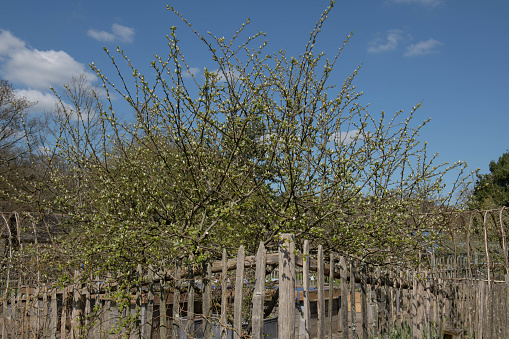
x=450 y=54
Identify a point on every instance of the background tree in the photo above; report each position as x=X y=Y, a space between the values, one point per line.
x=19 y=138
x=491 y=190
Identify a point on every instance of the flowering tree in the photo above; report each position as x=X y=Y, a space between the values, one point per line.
x=261 y=146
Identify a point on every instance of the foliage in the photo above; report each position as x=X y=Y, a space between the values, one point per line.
x=261 y=146
x=491 y=190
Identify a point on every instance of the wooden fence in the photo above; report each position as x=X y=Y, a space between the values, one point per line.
x=349 y=299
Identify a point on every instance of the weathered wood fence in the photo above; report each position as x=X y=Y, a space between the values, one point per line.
x=350 y=299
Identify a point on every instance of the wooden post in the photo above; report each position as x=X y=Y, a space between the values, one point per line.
x=163 y=319
x=190 y=301
x=259 y=292
x=54 y=313
x=207 y=301
x=63 y=318
x=286 y=320
x=107 y=308
x=239 y=284
x=331 y=293
x=150 y=303
x=88 y=308
x=76 y=307
x=176 y=303
x=305 y=283
x=224 y=286
x=321 y=299
x=364 y=302
x=382 y=329
x=344 y=297
x=353 y=304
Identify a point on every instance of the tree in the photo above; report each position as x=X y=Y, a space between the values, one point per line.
x=491 y=190
x=262 y=146
x=19 y=134
x=13 y=128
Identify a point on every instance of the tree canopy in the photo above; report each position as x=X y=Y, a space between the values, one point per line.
x=491 y=190
x=263 y=144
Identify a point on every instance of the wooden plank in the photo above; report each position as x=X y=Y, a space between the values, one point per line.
x=106 y=312
x=286 y=319
x=44 y=311
x=353 y=307
x=364 y=302
x=207 y=301
x=4 y=312
x=224 y=286
x=88 y=308
x=176 y=303
x=381 y=303
x=374 y=302
x=331 y=294
x=54 y=313
x=190 y=301
x=239 y=284
x=417 y=332
x=505 y=304
x=305 y=283
x=259 y=292
x=480 y=307
x=150 y=303
x=76 y=307
x=321 y=297
x=63 y=318
x=163 y=308
x=344 y=298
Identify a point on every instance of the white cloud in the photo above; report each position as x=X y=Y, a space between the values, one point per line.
x=36 y=69
x=229 y=75
x=393 y=37
x=423 y=48
x=192 y=71
x=124 y=33
x=44 y=102
x=101 y=35
x=430 y=3
x=118 y=32
x=345 y=137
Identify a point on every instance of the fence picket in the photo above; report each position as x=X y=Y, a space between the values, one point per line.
x=176 y=322
x=207 y=301
x=364 y=302
x=286 y=319
x=344 y=298
x=224 y=287
x=239 y=284
x=331 y=294
x=190 y=301
x=321 y=298
x=353 y=304
x=259 y=292
x=305 y=283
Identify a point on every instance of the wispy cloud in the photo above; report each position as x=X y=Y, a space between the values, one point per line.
x=193 y=71
x=30 y=67
x=428 y=3
x=390 y=43
x=423 y=48
x=118 y=32
x=347 y=137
